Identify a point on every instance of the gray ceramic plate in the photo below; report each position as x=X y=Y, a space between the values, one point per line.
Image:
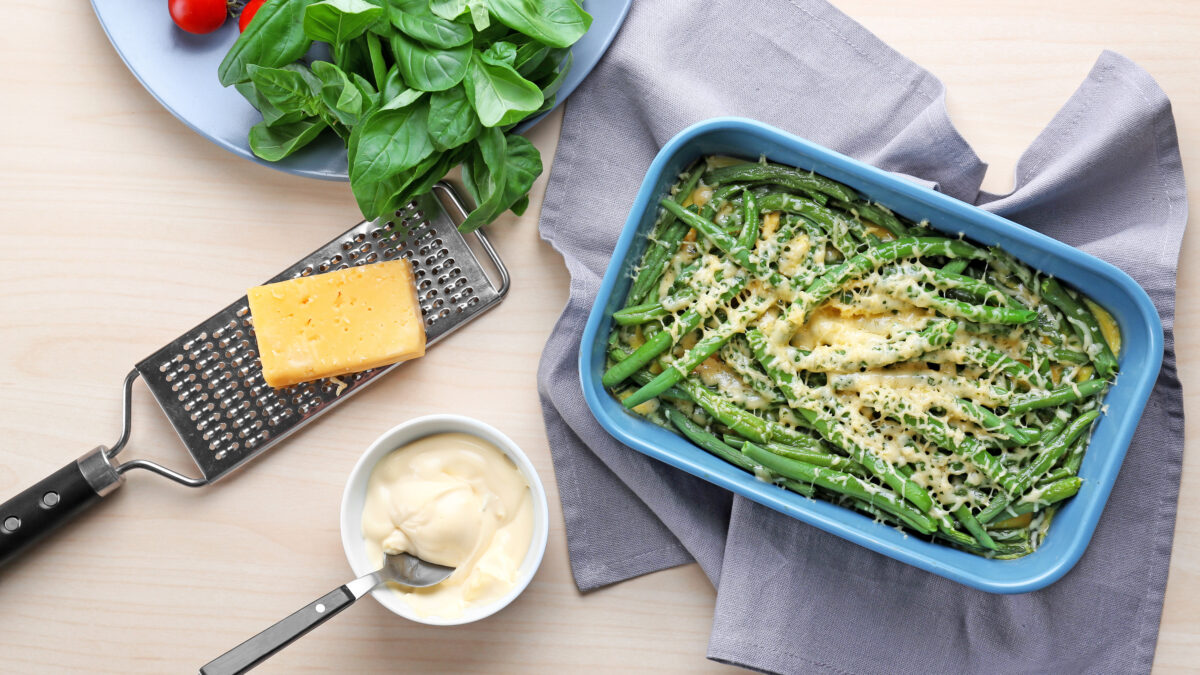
x=180 y=70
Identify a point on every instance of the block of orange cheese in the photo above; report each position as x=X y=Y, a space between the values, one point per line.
x=337 y=323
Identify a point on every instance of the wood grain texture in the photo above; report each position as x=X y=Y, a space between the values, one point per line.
x=120 y=228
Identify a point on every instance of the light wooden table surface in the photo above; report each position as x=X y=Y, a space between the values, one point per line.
x=120 y=228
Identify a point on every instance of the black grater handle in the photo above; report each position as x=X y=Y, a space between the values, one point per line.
x=31 y=515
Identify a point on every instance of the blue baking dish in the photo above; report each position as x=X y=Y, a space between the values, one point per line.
x=1140 y=357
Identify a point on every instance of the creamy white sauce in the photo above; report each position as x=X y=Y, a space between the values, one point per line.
x=451 y=499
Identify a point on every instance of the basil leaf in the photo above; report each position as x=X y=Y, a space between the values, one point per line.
x=480 y=16
x=273 y=143
x=341 y=96
x=289 y=89
x=551 y=88
x=393 y=85
x=337 y=21
x=484 y=37
x=370 y=96
x=403 y=99
x=271 y=114
x=448 y=9
x=485 y=173
x=519 y=207
x=415 y=19
x=386 y=143
x=417 y=181
x=499 y=94
x=501 y=54
x=548 y=67
x=275 y=37
x=529 y=56
x=499 y=177
x=523 y=166
x=452 y=120
x=429 y=69
x=558 y=23
x=379 y=68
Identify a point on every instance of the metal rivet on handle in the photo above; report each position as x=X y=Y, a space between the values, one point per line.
x=50 y=500
x=11 y=524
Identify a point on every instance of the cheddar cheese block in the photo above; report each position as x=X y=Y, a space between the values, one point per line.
x=337 y=323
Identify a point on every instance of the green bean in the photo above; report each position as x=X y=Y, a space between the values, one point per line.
x=965 y=310
x=1057 y=474
x=723 y=241
x=837 y=227
x=841 y=483
x=955 y=266
x=828 y=283
x=1052 y=493
x=751 y=172
x=1064 y=355
x=876 y=214
x=751 y=219
x=1018 y=534
x=724 y=411
x=661 y=342
x=736 y=354
x=963 y=514
x=1075 y=391
x=1075 y=456
x=706 y=347
x=668 y=234
x=992 y=360
x=1085 y=325
x=698 y=435
x=833 y=431
x=1008 y=434
x=937 y=433
x=970 y=287
x=642 y=377
x=1045 y=459
x=646 y=312
x=816 y=457
x=1053 y=429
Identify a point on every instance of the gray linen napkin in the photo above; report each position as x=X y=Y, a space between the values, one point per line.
x=1105 y=176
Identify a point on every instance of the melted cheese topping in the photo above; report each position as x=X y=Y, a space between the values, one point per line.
x=868 y=360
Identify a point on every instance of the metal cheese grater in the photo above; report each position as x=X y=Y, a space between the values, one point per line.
x=209 y=380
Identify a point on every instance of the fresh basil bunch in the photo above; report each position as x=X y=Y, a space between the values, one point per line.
x=414 y=88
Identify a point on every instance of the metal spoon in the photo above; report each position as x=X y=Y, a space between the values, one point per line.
x=404 y=569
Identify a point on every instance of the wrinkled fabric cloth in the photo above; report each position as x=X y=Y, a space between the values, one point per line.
x=1104 y=176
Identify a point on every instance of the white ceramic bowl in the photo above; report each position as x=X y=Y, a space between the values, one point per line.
x=403 y=434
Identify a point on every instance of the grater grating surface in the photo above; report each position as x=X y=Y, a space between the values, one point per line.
x=209 y=380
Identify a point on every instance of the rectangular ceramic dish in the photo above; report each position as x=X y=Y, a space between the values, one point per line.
x=1140 y=357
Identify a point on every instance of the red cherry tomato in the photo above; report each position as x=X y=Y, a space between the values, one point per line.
x=198 y=16
x=248 y=13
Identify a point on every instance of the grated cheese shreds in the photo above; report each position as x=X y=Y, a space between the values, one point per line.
x=879 y=350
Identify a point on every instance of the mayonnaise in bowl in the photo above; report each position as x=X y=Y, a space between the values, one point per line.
x=452 y=491
x=452 y=499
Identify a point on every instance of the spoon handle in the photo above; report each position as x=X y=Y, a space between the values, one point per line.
x=264 y=645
